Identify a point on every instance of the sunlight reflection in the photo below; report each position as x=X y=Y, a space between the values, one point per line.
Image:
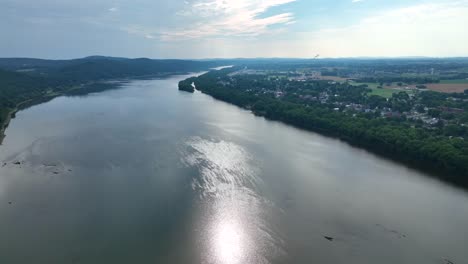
x=228 y=242
x=232 y=228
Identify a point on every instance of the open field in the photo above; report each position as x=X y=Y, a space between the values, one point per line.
x=376 y=85
x=386 y=91
x=445 y=86
x=333 y=78
x=448 y=87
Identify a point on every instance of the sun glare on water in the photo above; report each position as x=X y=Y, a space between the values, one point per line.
x=228 y=242
x=231 y=227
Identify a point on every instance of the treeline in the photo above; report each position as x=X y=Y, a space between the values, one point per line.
x=100 y=67
x=418 y=147
x=103 y=69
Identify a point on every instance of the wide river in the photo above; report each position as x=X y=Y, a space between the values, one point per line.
x=148 y=174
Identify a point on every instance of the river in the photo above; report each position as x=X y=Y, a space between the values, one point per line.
x=148 y=174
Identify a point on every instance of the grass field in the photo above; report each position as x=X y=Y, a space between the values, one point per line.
x=386 y=91
x=333 y=78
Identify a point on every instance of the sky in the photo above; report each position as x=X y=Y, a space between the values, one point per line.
x=63 y=29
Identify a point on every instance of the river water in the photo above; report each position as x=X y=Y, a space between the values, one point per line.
x=148 y=174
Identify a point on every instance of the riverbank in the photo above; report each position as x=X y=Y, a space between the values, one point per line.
x=415 y=148
x=74 y=90
x=23 y=105
x=5 y=123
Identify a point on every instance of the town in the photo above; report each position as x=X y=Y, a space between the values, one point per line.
x=352 y=93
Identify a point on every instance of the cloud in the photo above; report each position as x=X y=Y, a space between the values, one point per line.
x=424 y=29
x=418 y=30
x=357 y=1
x=221 y=18
x=113 y=9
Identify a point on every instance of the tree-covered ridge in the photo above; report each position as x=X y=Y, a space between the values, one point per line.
x=389 y=127
x=16 y=88
x=99 y=67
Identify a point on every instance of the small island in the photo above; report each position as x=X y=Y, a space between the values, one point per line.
x=187 y=85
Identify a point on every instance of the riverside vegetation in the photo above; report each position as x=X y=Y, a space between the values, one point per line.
x=420 y=128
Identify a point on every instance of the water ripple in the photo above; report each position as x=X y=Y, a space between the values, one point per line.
x=233 y=225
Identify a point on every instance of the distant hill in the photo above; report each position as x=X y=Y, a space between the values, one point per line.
x=104 y=68
x=101 y=67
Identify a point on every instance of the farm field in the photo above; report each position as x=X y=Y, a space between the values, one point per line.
x=448 y=87
x=456 y=81
x=386 y=91
x=333 y=78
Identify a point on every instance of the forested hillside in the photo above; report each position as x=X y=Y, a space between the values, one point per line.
x=16 y=88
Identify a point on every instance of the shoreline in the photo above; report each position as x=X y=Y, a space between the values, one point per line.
x=21 y=106
x=5 y=124
x=31 y=102
x=449 y=175
x=434 y=173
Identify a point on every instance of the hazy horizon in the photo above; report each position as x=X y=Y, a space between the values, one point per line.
x=248 y=58
x=203 y=29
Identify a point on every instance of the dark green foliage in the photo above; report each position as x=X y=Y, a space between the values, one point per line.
x=111 y=68
x=16 y=87
x=186 y=85
x=98 y=67
x=92 y=88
